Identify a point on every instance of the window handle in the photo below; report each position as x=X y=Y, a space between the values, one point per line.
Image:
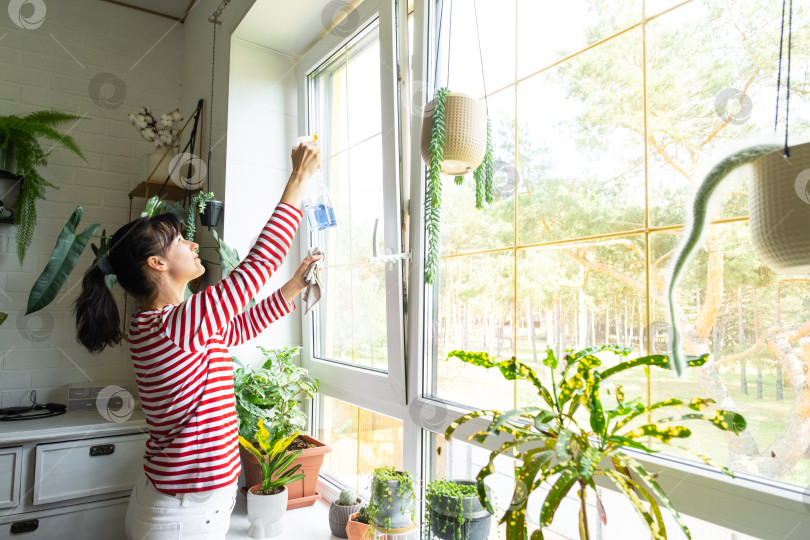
x=385 y=257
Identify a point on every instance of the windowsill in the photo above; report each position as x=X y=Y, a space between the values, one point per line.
x=310 y=522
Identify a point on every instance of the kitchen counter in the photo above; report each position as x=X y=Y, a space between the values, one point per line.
x=72 y=424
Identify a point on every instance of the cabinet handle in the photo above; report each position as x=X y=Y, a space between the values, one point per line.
x=24 y=526
x=102 y=449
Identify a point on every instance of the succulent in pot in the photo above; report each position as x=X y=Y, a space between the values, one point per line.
x=344 y=506
x=453 y=511
x=359 y=525
x=392 y=499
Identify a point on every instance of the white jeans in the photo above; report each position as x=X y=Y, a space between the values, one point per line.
x=154 y=515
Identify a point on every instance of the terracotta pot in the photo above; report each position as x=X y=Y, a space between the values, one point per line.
x=301 y=492
x=265 y=513
x=339 y=516
x=358 y=531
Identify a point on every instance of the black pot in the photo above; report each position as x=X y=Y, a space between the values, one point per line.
x=450 y=520
x=213 y=211
x=7 y=159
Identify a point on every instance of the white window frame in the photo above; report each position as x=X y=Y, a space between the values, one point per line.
x=375 y=390
x=750 y=505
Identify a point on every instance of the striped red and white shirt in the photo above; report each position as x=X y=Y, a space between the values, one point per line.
x=185 y=373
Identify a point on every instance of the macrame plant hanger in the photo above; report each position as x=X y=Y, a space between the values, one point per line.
x=214 y=19
x=779 y=73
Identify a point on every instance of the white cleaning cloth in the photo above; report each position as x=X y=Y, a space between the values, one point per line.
x=315 y=287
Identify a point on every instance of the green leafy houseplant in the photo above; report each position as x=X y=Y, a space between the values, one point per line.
x=548 y=441
x=453 y=511
x=277 y=471
x=433 y=190
x=70 y=245
x=392 y=498
x=20 y=135
x=272 y=392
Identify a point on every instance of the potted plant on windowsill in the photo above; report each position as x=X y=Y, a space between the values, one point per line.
x=392 y=505
x=21 y=151
x=274 y=392
x=339 y=511
x=359 y=525
x=453 y=511
x=549 y=442
x=267 y=500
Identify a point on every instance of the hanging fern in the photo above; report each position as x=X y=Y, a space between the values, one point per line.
x=433 y=191
x=22 y=134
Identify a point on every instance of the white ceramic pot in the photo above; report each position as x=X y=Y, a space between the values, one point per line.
x=160 y=168
x=465 y=140
x=779 y=210
x=265 y=513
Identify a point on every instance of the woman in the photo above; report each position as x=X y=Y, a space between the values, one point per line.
x=187 y=487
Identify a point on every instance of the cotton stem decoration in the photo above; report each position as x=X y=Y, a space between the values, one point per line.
x=161 y=132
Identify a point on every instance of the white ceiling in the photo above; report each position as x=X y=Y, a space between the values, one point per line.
x=288 y=27
x=172 y=8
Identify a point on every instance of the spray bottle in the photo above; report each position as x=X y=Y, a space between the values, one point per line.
x=317 y=203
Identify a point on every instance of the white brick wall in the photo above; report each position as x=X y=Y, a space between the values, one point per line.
x=51 y=67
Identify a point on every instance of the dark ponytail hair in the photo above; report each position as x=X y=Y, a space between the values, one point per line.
x=97 y=321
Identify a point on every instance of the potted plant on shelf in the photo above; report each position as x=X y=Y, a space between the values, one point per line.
x=392 y=504
x=550 y=443
x=274 y=392
x=359 y=525
x=453 y=511
x=344 y=506
x=456 y=139
x=22 y=152
x=267 y=500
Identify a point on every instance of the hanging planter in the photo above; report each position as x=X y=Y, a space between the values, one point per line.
x=779 y=210
x=465 y=128
x=213 y=211
x=778 y=207
x=456 y=139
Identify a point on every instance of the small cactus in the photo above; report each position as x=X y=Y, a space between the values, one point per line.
x=347 y=497
x=363 y=516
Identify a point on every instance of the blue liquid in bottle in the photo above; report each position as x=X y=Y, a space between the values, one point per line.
x=320 y=217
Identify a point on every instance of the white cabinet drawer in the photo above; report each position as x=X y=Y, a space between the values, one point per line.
x=103 y=520
x=10 y=468
x=73 y=469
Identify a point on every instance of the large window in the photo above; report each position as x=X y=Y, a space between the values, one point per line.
x=354 y=337
x=605 y=114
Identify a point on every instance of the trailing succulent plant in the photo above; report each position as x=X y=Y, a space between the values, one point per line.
x=382 y=498
x=550 y=442
x=433 y=189
x=453 y=519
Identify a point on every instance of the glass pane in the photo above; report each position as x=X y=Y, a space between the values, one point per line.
x=581 y=145
x=581 y=296
x=496 y=22
x=550 y=31
x=474 y=314
x=747 y=318
x=361 y=440
x=351 y=318
x=363 y=84
x=465 y=228
x=700 y=105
